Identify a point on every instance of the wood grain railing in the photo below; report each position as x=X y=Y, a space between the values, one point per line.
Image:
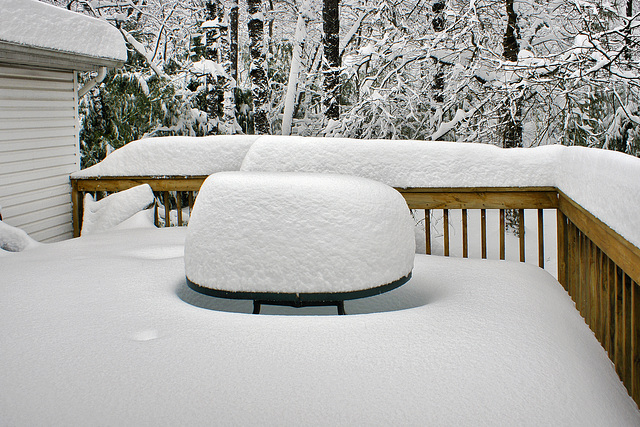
x=599 y=268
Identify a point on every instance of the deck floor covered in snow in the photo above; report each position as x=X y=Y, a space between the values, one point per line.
x=104 y=330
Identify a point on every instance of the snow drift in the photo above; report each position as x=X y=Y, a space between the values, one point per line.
x=297 y=233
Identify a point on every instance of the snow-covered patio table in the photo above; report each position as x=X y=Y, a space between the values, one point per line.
x=104 y=330
x=298 y=239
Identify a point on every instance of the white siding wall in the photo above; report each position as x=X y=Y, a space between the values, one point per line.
x=38 y=150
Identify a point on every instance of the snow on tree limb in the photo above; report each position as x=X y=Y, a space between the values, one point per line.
x=142 y=51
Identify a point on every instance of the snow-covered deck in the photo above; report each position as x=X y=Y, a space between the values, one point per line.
x=104 y=329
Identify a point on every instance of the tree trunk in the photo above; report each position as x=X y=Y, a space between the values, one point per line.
x=226 y=84
x=294 y=72
x=438 y=22
x=211 y=53
x=259 y=84
x=331 y=28
x=512 y=113
x=233 y=38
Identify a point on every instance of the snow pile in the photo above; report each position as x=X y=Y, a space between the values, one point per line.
x=607 y=184
x=98 y=328
x=407 y=163
x=297 y=233
x=604 y=182
x=174 y=155
x=115 y=208
x=14 y=239
x=33 y=23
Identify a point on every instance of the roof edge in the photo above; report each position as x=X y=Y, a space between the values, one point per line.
x=19 y=54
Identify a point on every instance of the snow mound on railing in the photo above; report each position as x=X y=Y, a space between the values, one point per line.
x=605 y=183
x=173 y=156
x=407 y=163
x=111 y=211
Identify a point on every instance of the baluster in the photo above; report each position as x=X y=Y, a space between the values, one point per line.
x=483 y=232
x=540 y=238
x=521 y=233
x=635 y=341
x=179 y=207
x=445 y=215
x=502 y=226
x=465 y=239
x=427 y=231
x=167 y=209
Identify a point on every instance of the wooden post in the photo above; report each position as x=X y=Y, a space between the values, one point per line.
x=502 y=248
x=445 y=214
x=167 y=210
x=179 y=207
x=521 y=233
x=483 y=232
x=76 y=203
x=540 y=238
x=562 y=243
x=465 y=236
x=628 y=360
x=427 y=231
x=635 y=341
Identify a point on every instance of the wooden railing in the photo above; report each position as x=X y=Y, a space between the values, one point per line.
x=599 y=268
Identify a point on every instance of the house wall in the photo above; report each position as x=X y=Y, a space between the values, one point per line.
x=38 y=150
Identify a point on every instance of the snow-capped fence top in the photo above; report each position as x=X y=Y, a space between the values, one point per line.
x=36 y=24
x=606 y=183
x=297 y=233
x=174 y=156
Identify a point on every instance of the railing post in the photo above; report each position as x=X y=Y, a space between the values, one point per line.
x=562 y=239
x=76 y=210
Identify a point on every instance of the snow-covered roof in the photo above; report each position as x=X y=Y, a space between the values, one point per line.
x=297 y=233
x=33 y=24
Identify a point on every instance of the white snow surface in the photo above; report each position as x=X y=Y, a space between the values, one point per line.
x=604 y=182
x=105 y=328
x=34 y=23
x=115 y=208
x=174 y=155
x=13 y=239
x=407 y=163
x=297 y=233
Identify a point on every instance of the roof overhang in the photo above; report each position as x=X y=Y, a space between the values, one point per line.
x=17 y=54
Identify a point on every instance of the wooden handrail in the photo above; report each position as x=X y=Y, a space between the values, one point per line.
x=598 y=267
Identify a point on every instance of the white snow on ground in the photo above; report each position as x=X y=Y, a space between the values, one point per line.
x=13 y=239
x=174 y=155
x=33 y=23
x=297 y=233
x=104 y=328
x=604 y=182
x=115 y=208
